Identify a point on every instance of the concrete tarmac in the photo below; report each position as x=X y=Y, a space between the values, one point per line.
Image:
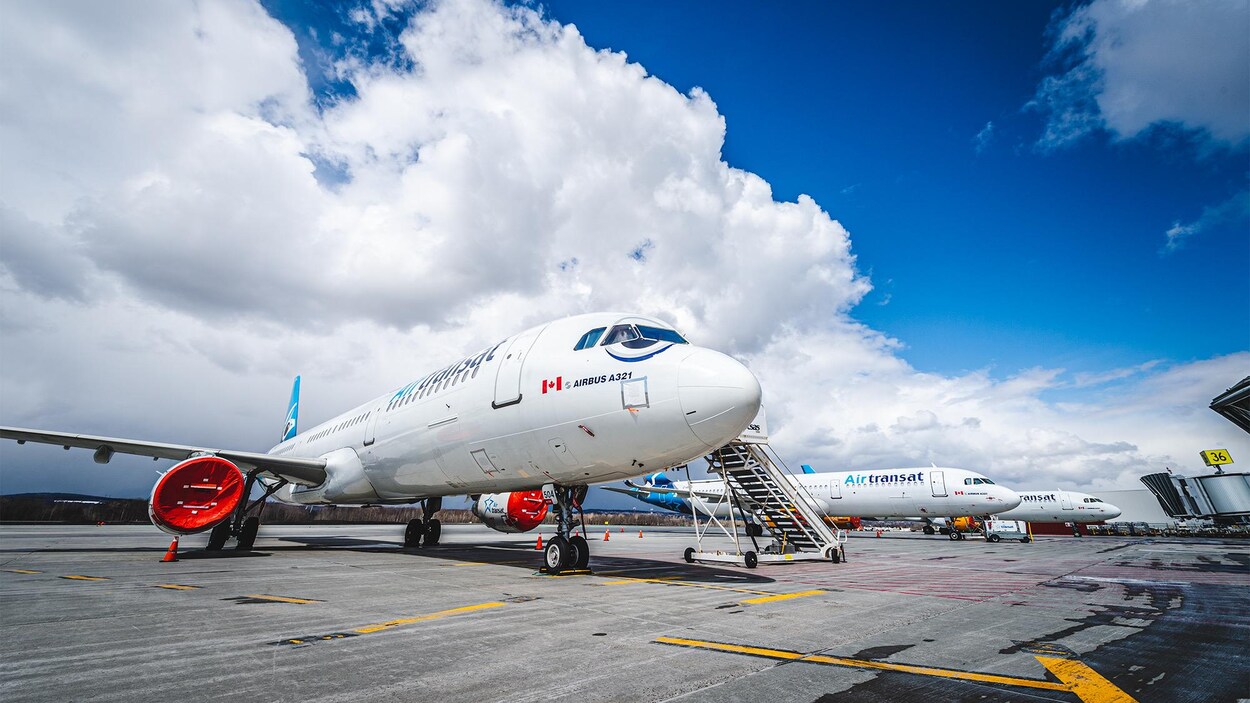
x=342 y=613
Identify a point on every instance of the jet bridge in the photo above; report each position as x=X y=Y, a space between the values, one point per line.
x=756 y=482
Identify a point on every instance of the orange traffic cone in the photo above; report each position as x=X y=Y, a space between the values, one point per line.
x=539 y=546
x=606 y=534
x=639 y=534
x=172 y=553
x=620 y=529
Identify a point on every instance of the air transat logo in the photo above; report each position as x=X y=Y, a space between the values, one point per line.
x=290 y=422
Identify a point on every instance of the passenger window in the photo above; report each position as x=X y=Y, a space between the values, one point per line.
x=588 y=340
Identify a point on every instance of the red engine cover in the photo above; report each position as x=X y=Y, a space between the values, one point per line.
x=526 y=510
x=195 y=495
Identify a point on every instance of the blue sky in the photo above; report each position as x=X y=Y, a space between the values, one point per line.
x=1003 y=255
x=1045 y=209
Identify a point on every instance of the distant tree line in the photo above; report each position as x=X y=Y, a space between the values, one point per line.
x=91 y=510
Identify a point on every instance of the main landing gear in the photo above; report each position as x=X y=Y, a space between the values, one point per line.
x=564 y=552
x=427 y=528
x=242 y=525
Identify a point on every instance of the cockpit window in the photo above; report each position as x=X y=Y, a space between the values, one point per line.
x=977 y=481
x=967 y=482
x=988 y=481
x=641 y=336
x=588 y=340
x=661 y=335
x=1092 y=500
x=621 y=333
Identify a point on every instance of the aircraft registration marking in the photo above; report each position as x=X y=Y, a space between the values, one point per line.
x=79 y=577
x=784 y=596
x=1075 y=677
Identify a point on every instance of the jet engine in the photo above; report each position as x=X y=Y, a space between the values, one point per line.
x=195 y=495
x=517 y=511
x=966 y=524
x=845 y=522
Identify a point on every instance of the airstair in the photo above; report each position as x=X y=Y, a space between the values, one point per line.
x=756 y=483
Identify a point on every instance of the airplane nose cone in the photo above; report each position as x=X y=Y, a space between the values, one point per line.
x=1010 y=498
x=1112 y=512
x=719 y=396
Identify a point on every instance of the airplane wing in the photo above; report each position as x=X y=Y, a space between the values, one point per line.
x=303 y=471
x=635 y=490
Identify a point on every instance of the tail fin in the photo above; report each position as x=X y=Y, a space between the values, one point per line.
x=657 y=479
x=292 y=413
x=807 y=469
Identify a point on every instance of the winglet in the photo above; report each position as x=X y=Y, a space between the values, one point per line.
x=292 y=413
x=808 y=469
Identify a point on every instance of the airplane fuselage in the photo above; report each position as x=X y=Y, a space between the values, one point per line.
x=543 y=406
x=882 y=493
x=1060 y=506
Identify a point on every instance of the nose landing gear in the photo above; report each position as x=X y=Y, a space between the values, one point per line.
x=566 y=553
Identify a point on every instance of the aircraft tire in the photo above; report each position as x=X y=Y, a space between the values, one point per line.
x=217 y=538
x=689 y=555
x=754 y=529
x=994 y=538
x=581 y=552
x=247 y=534
x=413 y=534
x=556 y=555
x=750 y=559
x=433 y=530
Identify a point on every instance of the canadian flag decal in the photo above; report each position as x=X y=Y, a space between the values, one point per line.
x=555 y=385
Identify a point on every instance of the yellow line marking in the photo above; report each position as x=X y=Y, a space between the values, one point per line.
x=23 y=571
x=1076 y=677
x=175 y=586
x=85 y=578
x=667 y=581
x=735 y=648
x=944 y=673
x=471 y=563
x=784 y=596
x=1087 y=684
x=422 y=618
x=281 y=599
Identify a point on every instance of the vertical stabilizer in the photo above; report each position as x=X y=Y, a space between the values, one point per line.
x=292 y=413
x=808 y=470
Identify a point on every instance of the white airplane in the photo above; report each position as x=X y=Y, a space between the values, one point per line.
x=1041 y=506
x=533 y=420
x=879 y=493
x=1060 y=506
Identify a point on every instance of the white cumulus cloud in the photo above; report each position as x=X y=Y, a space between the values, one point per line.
x=1137 y=64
